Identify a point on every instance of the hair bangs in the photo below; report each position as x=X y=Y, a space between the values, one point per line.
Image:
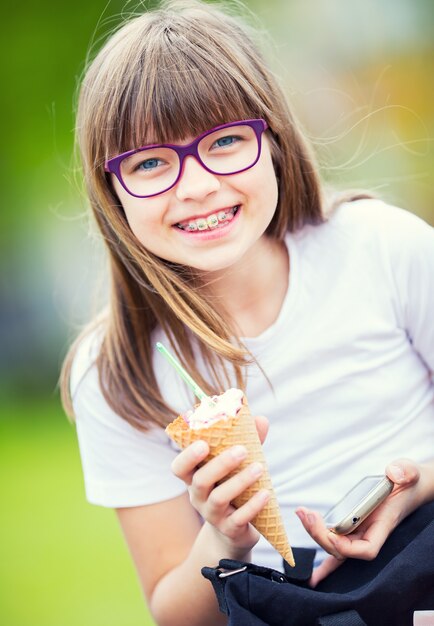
x=196 y=99
x=183 y=94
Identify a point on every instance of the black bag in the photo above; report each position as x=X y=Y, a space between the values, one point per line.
x=383 y=592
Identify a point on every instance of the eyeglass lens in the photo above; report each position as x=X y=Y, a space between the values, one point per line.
x=226 y=151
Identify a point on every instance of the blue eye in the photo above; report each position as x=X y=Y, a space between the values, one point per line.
x=226 y=141
x=149 y=164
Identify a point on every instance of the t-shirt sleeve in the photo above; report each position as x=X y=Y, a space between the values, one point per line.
x=122 y=466
x=410 y=243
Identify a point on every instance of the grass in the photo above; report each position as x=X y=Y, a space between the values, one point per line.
x=63 y=562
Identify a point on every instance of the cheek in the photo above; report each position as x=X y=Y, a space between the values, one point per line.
x=263 y=182
x=140 y=212
x=256 y=179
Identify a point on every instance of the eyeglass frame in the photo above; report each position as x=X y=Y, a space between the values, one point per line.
x=113 y=165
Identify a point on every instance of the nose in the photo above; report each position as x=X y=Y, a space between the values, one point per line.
x=195 y=182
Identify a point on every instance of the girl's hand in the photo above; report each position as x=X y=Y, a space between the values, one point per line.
x=365 y=542
x=213 y=501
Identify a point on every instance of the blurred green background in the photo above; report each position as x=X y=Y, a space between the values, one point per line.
x=359 y=75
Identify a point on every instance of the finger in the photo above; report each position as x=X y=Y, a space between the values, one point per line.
x=185 y=464
x=328 y=566
x=248 y=511
x=220 y=497
x=205 y=478
x=314 y=524
x=262 y=425
x=403 y=472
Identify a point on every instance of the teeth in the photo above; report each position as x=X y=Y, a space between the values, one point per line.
x=212 y=221
x=201 y=224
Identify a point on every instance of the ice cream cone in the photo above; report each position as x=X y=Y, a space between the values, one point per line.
x=224 y=434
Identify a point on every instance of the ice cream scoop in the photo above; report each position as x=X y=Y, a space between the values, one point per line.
x=221 y=408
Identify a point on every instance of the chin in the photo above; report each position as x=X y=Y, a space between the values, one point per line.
x=215 y=265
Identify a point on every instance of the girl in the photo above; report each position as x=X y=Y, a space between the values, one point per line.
x=223 y=245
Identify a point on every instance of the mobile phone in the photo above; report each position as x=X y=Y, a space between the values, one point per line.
x=359 y=502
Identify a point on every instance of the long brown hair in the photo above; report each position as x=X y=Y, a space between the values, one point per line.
x=166 y=74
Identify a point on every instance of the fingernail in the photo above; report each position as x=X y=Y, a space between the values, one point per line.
x=301 y=516
x=239 y=452
x=397 y=473
x=199 y=448
x=256 y=469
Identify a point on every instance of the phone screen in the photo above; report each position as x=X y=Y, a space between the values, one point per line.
x=354 y=499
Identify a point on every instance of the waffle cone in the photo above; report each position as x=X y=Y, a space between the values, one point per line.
x=223 y=435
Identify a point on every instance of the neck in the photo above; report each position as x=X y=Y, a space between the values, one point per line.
x=252 y=292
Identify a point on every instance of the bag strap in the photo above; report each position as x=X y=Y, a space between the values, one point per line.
x=228 y=567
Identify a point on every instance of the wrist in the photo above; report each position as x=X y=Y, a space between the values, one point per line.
x=227 y=548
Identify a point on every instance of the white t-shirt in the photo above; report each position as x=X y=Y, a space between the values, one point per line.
x=350 y=359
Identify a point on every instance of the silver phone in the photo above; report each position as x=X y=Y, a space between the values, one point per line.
x=359 y=502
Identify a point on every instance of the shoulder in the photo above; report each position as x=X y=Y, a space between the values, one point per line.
x=375 y=217
x=395 y=248
x=387 y=243
x=372 y=226
x=386 y=236
x=122 y=466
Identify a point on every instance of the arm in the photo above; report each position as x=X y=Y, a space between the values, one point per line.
x=167 y=541
x=414 y=486
x=169 y=544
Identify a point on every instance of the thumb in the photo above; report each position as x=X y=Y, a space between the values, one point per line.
x=262 y=425
x=403 y=472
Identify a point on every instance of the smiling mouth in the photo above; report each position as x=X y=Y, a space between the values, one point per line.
x=211 y=222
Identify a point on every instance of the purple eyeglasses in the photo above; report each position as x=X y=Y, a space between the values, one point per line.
x=227 y=149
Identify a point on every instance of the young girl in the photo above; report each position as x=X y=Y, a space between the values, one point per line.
x=223 y=246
